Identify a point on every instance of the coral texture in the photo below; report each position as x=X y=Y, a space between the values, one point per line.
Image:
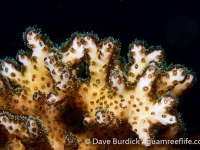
x=116 y=99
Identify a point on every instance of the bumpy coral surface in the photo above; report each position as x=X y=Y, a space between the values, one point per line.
x=115 y=100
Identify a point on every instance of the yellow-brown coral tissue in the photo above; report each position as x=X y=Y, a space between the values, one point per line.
x=46 y=102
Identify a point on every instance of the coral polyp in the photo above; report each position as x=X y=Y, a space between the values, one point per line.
x=139 y=97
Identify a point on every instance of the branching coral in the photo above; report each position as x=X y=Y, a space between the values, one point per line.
x=34 y=95
x=28 y=91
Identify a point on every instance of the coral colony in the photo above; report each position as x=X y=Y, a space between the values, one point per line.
x=46 y=103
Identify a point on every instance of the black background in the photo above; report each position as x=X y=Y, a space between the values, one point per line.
x=173 y=24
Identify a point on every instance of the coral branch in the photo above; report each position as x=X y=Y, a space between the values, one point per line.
x=137 y=100
x=140 y=57
x=72 y=51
